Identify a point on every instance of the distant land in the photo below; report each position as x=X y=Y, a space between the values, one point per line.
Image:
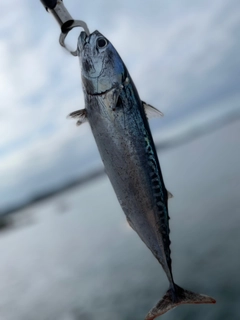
x=52 y=192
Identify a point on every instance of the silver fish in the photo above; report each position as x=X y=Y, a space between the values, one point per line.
x=118 y=119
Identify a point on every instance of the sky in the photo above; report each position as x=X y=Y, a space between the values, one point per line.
x=184 y=57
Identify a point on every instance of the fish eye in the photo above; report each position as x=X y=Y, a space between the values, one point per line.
x=101 y=43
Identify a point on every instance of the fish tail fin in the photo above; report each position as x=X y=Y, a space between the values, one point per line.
x=174 y=297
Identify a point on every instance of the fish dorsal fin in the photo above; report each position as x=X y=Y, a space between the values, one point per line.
x=81 y=115
x=170 y=195
x=151 y=112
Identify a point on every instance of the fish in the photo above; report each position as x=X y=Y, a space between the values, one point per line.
x=119 y=121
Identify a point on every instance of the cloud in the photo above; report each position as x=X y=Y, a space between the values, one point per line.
x=183 y=57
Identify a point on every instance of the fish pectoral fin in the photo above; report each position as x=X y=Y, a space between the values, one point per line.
x=151 y=112
x=112 y=96
x=170 y=195
x=81 y=115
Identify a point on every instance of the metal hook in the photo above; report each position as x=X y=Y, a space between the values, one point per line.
x=65 y=20
x=74 y=24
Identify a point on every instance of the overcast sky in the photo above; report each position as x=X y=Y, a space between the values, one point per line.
x=184 y=57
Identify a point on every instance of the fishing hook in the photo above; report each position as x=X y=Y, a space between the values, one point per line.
x=64 y=19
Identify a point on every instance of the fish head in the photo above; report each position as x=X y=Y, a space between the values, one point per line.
x=101 y=66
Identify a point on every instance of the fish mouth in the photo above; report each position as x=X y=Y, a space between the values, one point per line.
x=83 y=37
x=82 y=41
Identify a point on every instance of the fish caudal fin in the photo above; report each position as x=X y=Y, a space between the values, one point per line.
x=174 y=298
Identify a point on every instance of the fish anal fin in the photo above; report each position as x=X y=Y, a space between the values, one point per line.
x=81 y=115
x=130 y=223
x=170 y=195
x=151 y=112
x=174 y=298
